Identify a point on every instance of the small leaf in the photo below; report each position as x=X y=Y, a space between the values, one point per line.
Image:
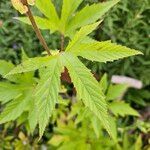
x=122 y=109
x=116 y=92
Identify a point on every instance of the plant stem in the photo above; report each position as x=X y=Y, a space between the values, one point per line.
x=35 y=27
x=62 y=42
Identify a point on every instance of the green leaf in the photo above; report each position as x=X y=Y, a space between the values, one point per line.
x=113 y=127
x=33 y=115
x=8 y=92
x=96 y=126
x=122 y=109
x=47 y=93
x=31 y=65
x=103 y=51
x=81 y=35
x=48 y=9
x=24 y=56
x=56 y=140
x=14 y=109
x=22 y=119
x=42 y=23
x=90 y=14
x=139 y=143
x=104 y=83
x=87 y=88
x=69 y=6
x=5 y=67
x=116 y=91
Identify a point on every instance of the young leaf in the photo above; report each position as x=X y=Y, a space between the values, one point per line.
x=116 y=91
x=48 y=9
x=122 y=109
x=47 y=93
x=103 y=51
x=81 y=35
x=31 y=65
x=87 y=88
x=95 y=12
x=14 y=109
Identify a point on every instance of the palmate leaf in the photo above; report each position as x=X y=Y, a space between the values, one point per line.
x=90 y=14
x=47 y=93
x=15 y=108
x=87 y=88
x=122 y=109
x=31 y=65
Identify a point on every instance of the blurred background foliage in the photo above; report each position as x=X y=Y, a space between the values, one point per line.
x=126 y=24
